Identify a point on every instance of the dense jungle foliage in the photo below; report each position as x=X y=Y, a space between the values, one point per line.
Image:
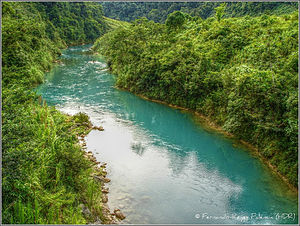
x=44 y=174
x=115 y=24
x=240 y=72
x=158 y=11
x=77 y=23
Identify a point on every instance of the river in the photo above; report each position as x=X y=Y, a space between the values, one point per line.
x=164 y=167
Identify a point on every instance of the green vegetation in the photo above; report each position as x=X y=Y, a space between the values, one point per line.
x=159 y=11
x=240 y=72
x=44 y=174
x=76 y=23
x=115 y=24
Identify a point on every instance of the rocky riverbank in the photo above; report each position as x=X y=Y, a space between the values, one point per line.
x=99 y=174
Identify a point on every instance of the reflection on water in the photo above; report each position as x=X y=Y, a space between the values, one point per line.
x=164 y=168
x=138 y=148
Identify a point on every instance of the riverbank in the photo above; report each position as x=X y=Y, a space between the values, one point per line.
x=93 y=199
x=45 y=177
x=210 y=125
x=99 y=175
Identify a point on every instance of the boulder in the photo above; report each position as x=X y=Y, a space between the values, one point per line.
x=119 y=214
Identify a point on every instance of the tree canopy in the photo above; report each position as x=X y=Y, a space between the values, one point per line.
x=159 y=11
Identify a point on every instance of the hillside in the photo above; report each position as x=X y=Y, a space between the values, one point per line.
x=242 y=73
x=115 y=24
x=158 y=11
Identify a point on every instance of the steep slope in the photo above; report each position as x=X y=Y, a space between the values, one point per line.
x=158 y=11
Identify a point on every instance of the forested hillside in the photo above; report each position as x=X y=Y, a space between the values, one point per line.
x=242 y=73
x=44 y=174
x=76 y=23
x=158 y=11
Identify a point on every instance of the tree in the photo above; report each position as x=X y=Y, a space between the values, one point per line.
x=175 y=20
x=220 y=11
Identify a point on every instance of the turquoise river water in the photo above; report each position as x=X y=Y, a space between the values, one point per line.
x=164 y=167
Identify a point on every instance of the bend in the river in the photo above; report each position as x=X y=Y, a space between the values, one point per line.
x=164 y=168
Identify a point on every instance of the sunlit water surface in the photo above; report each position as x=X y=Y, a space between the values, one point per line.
x=164 y=168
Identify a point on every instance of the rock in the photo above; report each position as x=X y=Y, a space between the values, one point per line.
x=105 y=190
x=104 y=198
x=100 y=128
x=119 y=214
x=101 y=179
x=110 y=219
x=121 y=206
x=91 y=157
x=90 y=152
x=98 y=178
x=104 y=173
x=106 y=180
x=105 y=208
